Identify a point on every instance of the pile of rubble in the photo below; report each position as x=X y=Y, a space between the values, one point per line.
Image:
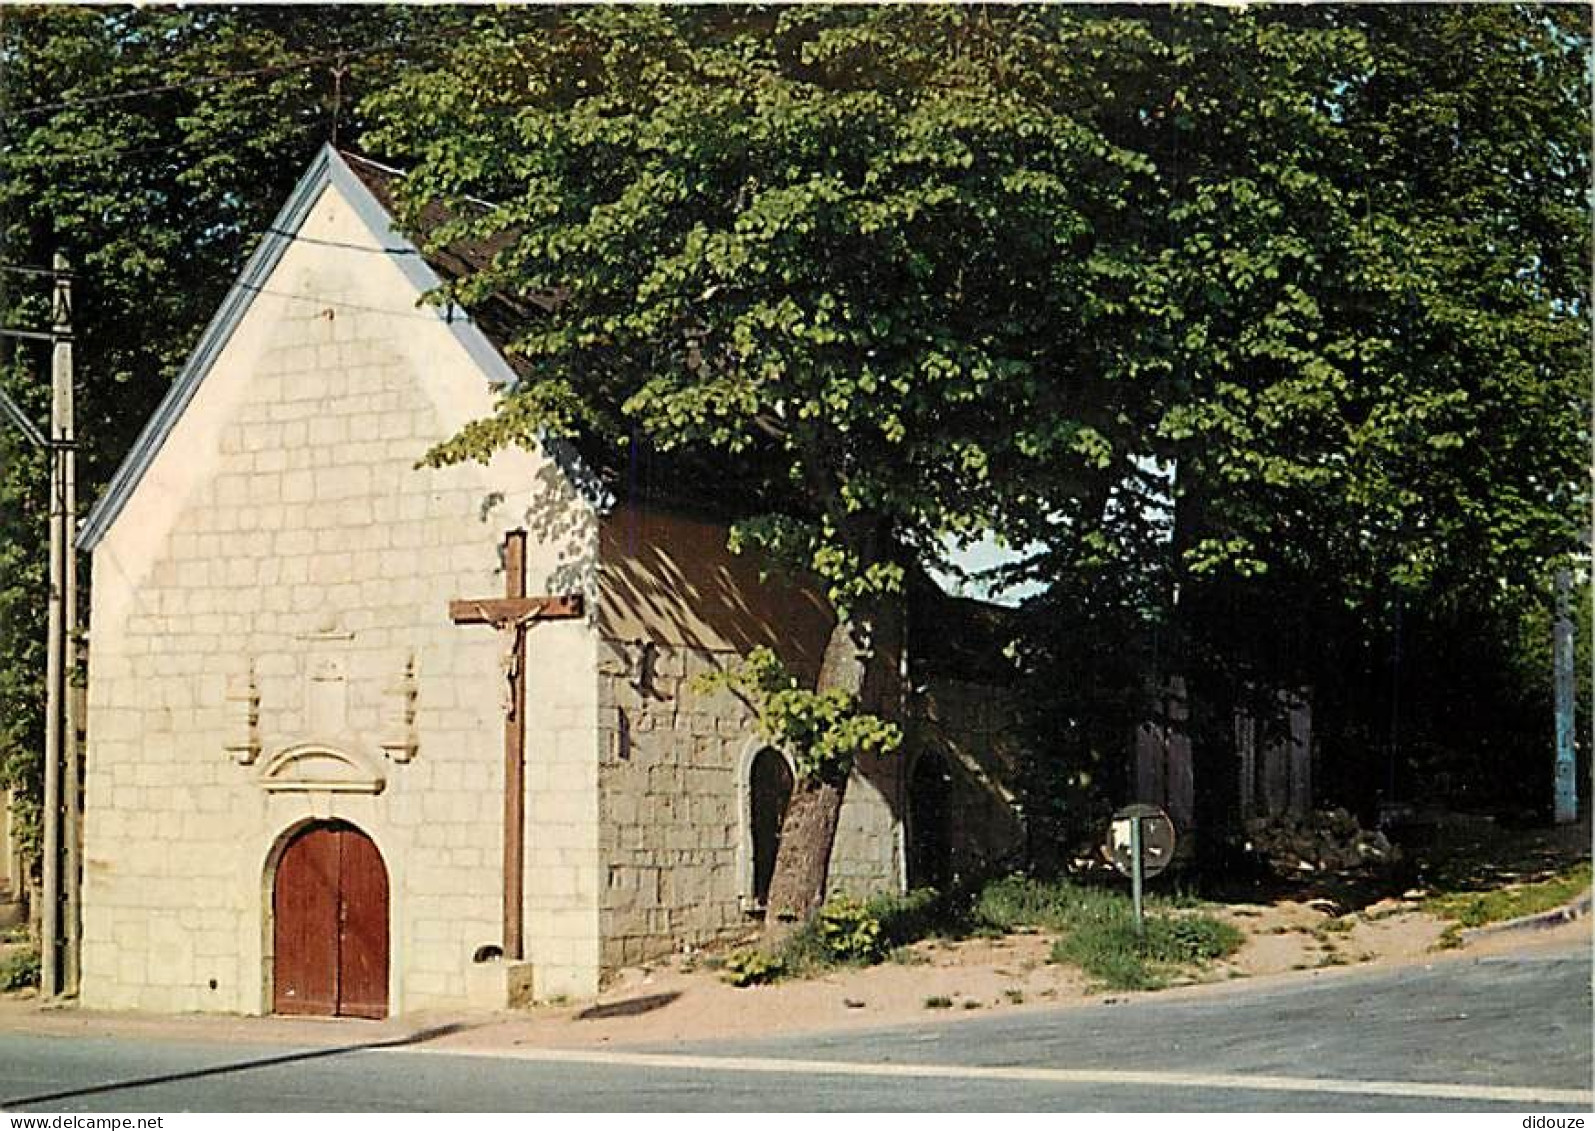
x=1325 y=841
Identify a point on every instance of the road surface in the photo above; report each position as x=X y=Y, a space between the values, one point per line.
x=1492 y=1034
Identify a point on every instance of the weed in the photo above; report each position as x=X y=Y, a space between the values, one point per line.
x=1014 y=996
x=20 y=970
x=972 y=1004
x=1475 y=909
x=907 y=956
x=849 y=930
x=938 y=1002
x=1109 y=950
x=752 y=968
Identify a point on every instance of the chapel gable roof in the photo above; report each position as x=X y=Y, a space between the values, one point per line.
x=480 y=333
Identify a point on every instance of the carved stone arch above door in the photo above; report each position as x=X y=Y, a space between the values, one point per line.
x=320 y=767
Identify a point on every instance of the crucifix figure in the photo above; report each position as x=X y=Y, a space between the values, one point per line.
x=512 y=614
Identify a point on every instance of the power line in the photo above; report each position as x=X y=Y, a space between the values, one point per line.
x=205 y=80
x=26 y=269
x=339 y=57
x=61 y=157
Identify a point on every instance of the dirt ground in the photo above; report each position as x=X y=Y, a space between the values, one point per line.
x=683 y=999
x=1291 y=935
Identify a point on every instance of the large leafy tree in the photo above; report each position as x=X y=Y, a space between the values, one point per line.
x=863 y=251
x=1360 y=366
x=1227 y=312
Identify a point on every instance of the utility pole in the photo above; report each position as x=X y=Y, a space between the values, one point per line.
x=60 y=869
x=59 y=917
x=65 y=434
x=50 y=867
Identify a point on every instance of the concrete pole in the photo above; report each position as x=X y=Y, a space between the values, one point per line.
x=50 y=981
x=71 y=768
x=1565 y=806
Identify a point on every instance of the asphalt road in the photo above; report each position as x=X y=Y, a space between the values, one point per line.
x=1495 y=1034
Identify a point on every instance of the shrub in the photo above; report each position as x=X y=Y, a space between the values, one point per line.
x=920 y=914
x=849 y=931
x=20 y=970
x=752 y=968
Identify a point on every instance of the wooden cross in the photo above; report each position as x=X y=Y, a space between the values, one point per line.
x=513 y=614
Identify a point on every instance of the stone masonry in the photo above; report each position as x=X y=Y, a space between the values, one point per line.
x=284 y=558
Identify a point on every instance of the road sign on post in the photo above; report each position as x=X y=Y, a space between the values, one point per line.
x=1565 y=802
x=1140 y=845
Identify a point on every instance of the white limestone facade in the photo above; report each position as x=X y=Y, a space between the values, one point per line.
x=283 y=557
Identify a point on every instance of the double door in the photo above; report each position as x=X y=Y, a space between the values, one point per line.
x=330 y=925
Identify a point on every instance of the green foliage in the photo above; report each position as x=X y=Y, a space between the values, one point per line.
x=1276 y=308
x=824 y=731
x=1106 y=947
x=752 y=968
x=849 y=931
x=1475 y=909
x=938 y=1001
x=836 y=244
x=19 y=970
x=920 y=914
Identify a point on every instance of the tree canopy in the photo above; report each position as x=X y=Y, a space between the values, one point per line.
x=1265 y=331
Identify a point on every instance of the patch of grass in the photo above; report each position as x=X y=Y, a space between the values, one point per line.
x=972 y=1004
x=1107 y=949
x=1478 y=908
x=20 y=970
x=1015 y=996
x=938 y=1002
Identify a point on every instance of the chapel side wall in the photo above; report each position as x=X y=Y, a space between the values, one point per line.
x=974 y=727
x=284 y=541
x=676 y=603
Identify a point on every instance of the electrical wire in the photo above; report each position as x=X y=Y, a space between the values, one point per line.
x=209 y=79
x=27 y=269
x=20 y=157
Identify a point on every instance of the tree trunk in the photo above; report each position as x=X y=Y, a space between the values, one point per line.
x=808 y=832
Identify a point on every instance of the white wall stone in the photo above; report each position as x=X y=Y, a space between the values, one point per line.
x=284 y=532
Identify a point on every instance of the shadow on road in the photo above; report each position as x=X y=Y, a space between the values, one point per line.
x=419 y=1037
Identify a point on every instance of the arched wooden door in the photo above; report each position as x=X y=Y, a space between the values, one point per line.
x=330 y=925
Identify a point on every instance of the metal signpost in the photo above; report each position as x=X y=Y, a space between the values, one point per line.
x=1565 y=801
x=1140 y=845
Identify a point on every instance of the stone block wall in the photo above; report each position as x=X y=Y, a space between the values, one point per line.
x=284 y=555
x=674 y=762
x=674 y=808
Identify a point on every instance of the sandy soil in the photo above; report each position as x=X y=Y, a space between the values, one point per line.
x=683 y=999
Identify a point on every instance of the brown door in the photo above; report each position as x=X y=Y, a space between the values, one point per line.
x=330 y=912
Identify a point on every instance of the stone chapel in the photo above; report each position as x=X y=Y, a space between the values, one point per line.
x=365 y=738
